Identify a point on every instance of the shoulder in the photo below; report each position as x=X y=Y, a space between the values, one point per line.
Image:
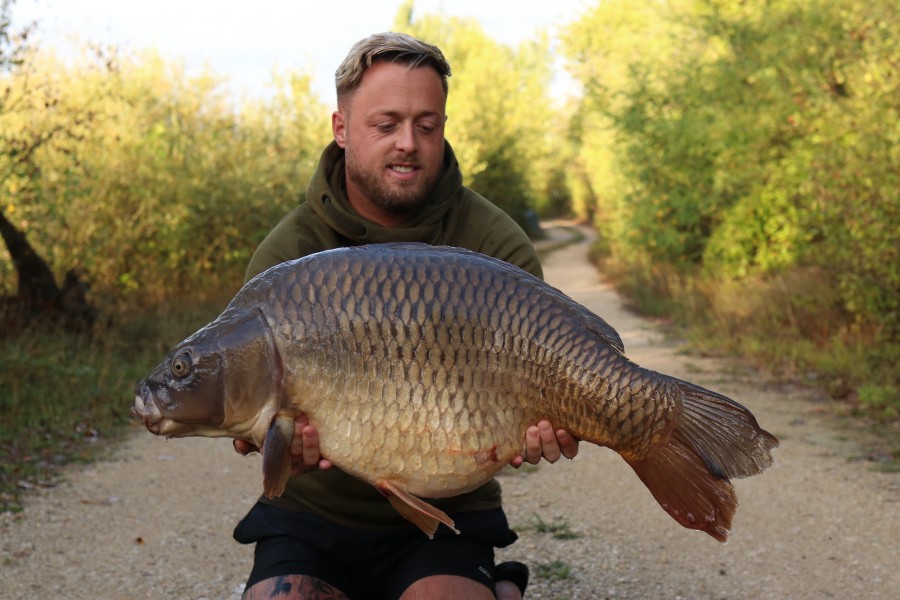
x=299 y=233
x=477 y=224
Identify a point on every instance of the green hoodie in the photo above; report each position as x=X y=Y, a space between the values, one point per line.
x=454 y=215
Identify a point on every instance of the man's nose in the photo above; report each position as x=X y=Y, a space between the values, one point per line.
x=406 y=140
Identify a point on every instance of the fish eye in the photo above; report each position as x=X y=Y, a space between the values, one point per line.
x=181 y=365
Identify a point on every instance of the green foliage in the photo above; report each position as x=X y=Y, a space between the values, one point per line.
x=146 y=179
x=829 y=196
x=744 y=149
x=63 y=395
x=882 y=400
x=53 y=407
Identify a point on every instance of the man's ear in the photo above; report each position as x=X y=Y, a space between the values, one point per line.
x=339 y=128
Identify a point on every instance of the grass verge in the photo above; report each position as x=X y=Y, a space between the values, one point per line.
x=64 y=396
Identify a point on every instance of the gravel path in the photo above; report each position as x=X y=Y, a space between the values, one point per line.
x=155 y=520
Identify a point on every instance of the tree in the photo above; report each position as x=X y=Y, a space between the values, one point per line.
x=752 y=147
x=155 y=180
x=38 y=296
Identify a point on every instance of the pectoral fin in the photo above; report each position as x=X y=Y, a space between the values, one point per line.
x=277 y=455
x=421 y=514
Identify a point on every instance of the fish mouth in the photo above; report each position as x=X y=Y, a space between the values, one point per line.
x=147 y=409
x=149 y=413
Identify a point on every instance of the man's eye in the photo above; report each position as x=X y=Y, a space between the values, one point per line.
x=385 y=127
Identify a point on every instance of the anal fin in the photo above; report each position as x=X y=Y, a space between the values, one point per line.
x=277 y=455
x=415 y=510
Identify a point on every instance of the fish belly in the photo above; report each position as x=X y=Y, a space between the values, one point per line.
x=435 y=423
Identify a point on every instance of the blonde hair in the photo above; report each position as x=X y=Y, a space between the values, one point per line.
x=389 y=46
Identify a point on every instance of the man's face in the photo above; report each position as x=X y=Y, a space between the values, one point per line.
x=392 y=130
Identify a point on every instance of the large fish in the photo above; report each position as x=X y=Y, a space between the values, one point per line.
x=421 y=368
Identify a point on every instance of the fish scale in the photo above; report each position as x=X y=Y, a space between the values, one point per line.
x=421 y=368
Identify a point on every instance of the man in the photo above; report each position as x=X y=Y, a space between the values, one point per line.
x=388 y=176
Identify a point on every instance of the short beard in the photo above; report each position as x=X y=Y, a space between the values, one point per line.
x=398 y=202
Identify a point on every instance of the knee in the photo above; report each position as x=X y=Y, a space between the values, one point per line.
x=447 y=587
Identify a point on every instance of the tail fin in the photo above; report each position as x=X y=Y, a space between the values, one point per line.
x=715 y=440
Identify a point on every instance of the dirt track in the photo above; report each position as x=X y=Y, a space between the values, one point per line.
x=155 y=520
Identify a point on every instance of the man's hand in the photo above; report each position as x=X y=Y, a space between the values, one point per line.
x=304 y=448
x=541 y=441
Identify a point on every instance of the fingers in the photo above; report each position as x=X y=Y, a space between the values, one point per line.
x=568 y=443
x=298 y=443
x=304 y=450
x=549 y=445
x=541 y=441
x=532 y=453
x=310 y=459
x=310 y=452
x=305 y=456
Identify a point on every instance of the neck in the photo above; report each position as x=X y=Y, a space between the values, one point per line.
x=370 y=211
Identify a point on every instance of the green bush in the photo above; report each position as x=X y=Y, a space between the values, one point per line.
x=749 y=152
x=148 y=180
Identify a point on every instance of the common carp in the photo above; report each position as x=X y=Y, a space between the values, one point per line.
x=421 y=368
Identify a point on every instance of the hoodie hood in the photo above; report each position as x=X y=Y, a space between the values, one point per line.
x=327 y=196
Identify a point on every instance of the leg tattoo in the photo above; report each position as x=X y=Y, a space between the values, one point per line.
x=293 y=587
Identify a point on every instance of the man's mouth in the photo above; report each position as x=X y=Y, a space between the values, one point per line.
x=404 y=172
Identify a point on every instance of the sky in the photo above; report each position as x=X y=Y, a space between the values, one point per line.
x=244 y=40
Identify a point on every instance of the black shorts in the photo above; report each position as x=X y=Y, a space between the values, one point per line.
x=370 y=564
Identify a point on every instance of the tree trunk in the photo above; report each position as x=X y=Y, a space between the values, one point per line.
x=39 y=299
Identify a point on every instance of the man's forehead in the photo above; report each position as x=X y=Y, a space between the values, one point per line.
x=394 y=86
